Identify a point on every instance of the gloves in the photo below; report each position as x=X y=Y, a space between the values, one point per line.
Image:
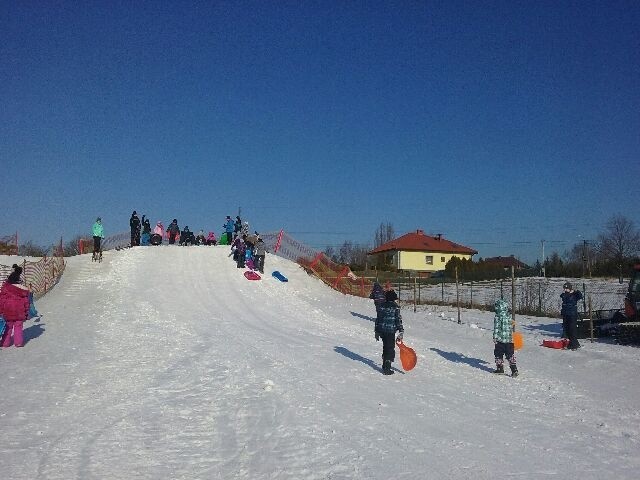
x=400 y=335
x=377 y=337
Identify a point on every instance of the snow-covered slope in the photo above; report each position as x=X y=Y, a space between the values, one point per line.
x=166 y=363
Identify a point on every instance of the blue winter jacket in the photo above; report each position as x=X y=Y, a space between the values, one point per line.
x=228 y=227
x=570 y=303
x=389 y=319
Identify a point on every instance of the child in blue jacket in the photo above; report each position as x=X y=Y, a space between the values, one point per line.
x=388 y=322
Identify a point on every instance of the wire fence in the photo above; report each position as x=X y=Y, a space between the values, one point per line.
x=41 y=275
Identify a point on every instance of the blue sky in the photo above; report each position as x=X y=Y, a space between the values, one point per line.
x=498 y=124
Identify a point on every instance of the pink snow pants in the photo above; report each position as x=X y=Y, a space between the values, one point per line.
x=16 y=328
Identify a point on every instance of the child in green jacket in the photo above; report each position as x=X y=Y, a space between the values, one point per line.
x=503 y=338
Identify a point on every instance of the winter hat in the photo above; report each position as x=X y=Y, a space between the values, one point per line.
x=14 y=277
x=175 y=220
x=135 y=213
x=567 y=286
x=98 y=219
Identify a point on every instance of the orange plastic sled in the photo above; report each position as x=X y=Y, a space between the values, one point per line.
x=408 y=356
x=518 y=340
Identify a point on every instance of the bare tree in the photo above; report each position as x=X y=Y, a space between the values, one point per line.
x=620 y=242
x=383 y=234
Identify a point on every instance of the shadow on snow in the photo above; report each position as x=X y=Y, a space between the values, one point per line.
x=459 y=358
x=367 y=361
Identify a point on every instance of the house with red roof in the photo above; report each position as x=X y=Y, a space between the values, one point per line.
x=420 y=252
x=507 y=262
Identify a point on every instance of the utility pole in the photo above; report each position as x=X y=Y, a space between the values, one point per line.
x=584 y=256
x=543 y=268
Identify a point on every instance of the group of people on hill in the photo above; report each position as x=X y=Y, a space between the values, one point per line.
x=141 y=233
x=249 y=250
x=389 y=321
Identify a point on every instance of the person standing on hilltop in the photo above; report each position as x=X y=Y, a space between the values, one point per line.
x=134 y=223
x=173 y=230
x=98 y=234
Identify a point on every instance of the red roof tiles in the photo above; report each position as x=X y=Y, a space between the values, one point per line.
x=419 y=242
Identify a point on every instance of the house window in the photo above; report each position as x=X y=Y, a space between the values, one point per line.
x=429 y=259
x=442 y=259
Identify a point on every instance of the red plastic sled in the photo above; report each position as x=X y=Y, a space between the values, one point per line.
x=559 y=344
x=250 y=275
x=408 y=356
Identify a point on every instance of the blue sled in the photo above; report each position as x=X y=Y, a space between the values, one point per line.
x=280 y=276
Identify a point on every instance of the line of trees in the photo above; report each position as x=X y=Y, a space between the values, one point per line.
x=613 y=253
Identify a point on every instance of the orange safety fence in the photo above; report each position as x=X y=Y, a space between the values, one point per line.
x=41 y=275
x=337 y=276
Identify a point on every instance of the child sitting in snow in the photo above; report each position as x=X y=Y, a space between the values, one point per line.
x=503 y=338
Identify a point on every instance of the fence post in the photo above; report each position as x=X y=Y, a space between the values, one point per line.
x=471 y=301
x=457 y=295
x=415 y=282
x=443 y=289
x=590 y=318
x=540 y=297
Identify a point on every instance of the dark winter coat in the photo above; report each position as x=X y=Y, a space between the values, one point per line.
x=146 y=225
x=14 y=302
x=134 y=223
x=173 y=228
x=389 y=319
x=570 y=303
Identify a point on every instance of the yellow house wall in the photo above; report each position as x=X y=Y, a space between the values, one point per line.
x=418 y=260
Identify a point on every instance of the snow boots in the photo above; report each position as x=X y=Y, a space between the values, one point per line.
x=386 y=367
x=499 y=369
x=514 y=370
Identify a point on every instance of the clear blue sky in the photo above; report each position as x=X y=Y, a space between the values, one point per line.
x=498 y=124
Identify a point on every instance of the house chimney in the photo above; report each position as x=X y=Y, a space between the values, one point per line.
x=420 y=232
x=439 y=236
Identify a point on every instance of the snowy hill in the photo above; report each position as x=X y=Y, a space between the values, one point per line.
x=166 y=363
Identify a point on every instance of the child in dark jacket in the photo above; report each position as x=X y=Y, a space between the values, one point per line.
x=388 y=322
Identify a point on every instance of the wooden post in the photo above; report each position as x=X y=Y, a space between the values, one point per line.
x=471 y=301
x=443 y=289
x=415 y=280
x=458 y=295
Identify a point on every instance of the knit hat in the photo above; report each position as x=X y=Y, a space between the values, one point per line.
x=14 y=277
x=567 y=286
x=390 y=296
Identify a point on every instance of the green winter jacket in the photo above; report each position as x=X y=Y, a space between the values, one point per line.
x=98 y=230
x=502 y=326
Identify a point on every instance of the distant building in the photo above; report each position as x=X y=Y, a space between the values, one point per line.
x=507 y=262
x=422 y=253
